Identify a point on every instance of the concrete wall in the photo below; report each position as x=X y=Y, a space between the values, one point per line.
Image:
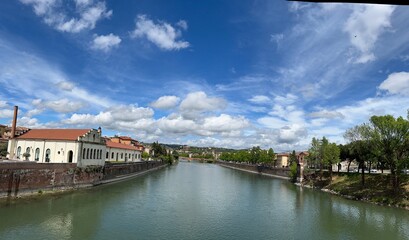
x=275 y=171
x=112 y=170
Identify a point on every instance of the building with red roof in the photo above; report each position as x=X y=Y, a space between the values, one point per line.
x=82 y=146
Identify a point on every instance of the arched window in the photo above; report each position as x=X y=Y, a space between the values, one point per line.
x=37 y=154
x=27 y=153
x=83 y=153
x=122 y=155
x=112 y=155
x=107 y=155
x=93 y=137
x=87 y=153
x=47 y=155
x=18 y=152
x=94 y=153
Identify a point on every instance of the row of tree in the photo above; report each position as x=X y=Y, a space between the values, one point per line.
x=255 y=155
x=383 y=141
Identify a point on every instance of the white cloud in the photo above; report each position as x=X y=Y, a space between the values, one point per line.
x=105 y=42
x=364 y=27
x=3 y=104
x=162 y=34
x=6 y=113
x=198 y=102
x=60 y=106
x=177 y=125
x=166 y=102
x=65 y=85
x=182 y=24
x=224 y=123
x=260 y=99
x=396 y=83
x=326 y=114
x=53 y=14
x=26 y=74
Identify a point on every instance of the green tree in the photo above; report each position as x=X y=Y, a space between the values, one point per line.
x=145 y=155
x=330 y=156
x=175 y=155
x=293 y=157
x=3 y=149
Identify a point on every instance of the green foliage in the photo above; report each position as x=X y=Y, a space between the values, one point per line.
x=159 y=151
x=293 y=172
x=145 y=155
x=293 y=158
x=322 y=153
x=175 y=155
x=254 y=156
x=3 y=149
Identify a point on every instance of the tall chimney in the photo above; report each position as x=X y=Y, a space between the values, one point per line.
x=13 y=127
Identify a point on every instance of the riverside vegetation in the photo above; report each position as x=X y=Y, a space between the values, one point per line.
x=383 y=143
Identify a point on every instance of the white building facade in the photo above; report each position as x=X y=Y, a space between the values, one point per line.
x=82 y=146
x=122 y=152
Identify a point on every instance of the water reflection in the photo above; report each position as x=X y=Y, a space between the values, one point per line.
x=200 y=201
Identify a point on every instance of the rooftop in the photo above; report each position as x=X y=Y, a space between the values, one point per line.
x=54 y=134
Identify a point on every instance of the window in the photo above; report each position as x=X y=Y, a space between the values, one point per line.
x=83 y=153
x=94 y=154
x=87 y=153
x=18 y=152
x=93 y=137
x=122 y=155
x=37 y=154
x=27 y=153
x=47 y=155
x=107 y=155
x=112 y=155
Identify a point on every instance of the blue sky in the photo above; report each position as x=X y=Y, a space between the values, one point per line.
x=211 y=73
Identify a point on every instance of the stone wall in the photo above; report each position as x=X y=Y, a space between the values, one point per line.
x=113 y=170
x=25 y=178
x=273 y=171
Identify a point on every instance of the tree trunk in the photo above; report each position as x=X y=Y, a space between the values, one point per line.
x=363 y=174
x=349 y=164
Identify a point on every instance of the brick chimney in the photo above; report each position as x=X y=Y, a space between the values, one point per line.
x=14 y=125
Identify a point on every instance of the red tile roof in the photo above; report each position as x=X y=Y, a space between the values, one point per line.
x=120 y=145
x=54 y=134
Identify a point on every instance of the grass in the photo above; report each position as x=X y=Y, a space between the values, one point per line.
x=378 y=188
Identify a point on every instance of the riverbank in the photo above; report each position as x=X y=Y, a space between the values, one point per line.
x=23 y=179
x=377 y=190
x=282 y=173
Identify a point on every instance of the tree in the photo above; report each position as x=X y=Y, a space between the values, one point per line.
x=175 y=155
x=145 y=155
x=391 y=137
x=3 y=149
x=330 y=156
x=293 y=158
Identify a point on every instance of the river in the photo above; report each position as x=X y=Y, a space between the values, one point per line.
x=199 y=201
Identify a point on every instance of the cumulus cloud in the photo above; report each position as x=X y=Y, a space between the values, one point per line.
x=165 y=102
x=89 y=13
x=396 y=83
x=364 y=27
x=6 y=113
x=162 y=34
x=224 y=123
x=105 y=42
x=198 y=102
x=61 y=106
x=121 y=118
x=260 y=99
x=326 y=114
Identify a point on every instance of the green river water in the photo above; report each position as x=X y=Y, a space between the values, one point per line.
x=199 y=201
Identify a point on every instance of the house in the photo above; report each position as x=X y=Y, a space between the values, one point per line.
x=117 y=151
x=301 y=158
x=82 y=146
x=127 y=141
x=282 y=160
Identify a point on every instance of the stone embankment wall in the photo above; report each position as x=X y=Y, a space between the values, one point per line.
x=264 y=170
x=25 y=178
